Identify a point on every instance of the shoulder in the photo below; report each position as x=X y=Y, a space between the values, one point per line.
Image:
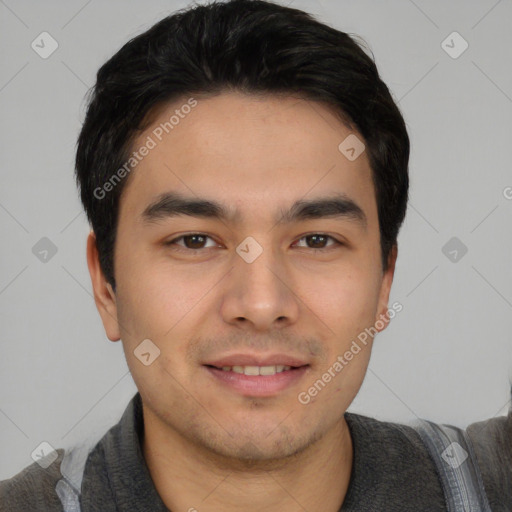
x=492 y=443
x=393 y=439
x=489 y=441
x=393 y=469
x=33 y=488
x=52 y=481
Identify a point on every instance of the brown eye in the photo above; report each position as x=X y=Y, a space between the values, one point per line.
x=319 y=241
x=192 y=241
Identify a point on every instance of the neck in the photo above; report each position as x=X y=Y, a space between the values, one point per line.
x=191 y=478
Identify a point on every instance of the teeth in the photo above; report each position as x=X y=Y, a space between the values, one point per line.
x=267 y=370
x=257 y=370
x=252 y=370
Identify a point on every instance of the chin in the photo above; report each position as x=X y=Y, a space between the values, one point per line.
x=270 y=444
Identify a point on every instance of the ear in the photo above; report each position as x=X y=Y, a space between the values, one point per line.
x=385 y=289
x=104 y=295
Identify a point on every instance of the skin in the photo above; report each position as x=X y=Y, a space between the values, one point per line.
x=208 y=447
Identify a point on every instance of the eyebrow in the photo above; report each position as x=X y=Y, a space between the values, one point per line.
x=172 y=204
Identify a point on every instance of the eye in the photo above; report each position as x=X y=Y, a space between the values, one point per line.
x=191 y=241
x=196 y=241
x=319 y=241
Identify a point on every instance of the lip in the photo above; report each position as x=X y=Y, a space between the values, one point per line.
x=257 y=360
x=257 y=385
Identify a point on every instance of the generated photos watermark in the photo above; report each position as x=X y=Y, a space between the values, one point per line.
x=150 y=143
x=305 y=397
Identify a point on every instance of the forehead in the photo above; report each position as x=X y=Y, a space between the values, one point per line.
x=248 y=152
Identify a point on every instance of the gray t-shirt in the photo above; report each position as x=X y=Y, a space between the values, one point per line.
x=392 y=471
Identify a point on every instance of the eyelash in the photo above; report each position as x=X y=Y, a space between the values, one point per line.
x=186 y=249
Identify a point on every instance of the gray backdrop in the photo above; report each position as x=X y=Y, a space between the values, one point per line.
x=447 y=356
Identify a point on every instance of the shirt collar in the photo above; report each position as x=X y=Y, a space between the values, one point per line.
x=116 y=476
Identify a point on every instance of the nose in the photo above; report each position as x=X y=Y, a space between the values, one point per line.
x=260 y=295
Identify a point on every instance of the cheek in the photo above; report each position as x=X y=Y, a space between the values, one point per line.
x=164 y=304
x=345 y=301
x=153 y=294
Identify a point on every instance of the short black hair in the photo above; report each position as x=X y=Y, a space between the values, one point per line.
x=250 y=46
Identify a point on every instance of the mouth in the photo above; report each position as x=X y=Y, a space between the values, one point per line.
x=257 y=370
x=257 y=380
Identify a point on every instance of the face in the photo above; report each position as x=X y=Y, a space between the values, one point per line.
x=249 y=299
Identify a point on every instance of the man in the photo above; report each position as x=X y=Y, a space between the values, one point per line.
x=244 y=171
